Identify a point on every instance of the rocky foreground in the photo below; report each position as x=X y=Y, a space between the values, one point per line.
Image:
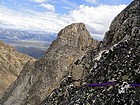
x=115 y=61
x=74 y=61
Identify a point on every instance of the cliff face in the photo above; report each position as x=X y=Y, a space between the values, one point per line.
x=124 y=25
x=38 y=79
x=11 y=63
x=113 y=68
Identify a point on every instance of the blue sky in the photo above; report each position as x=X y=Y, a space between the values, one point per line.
x=61 y=6
x=52 y=15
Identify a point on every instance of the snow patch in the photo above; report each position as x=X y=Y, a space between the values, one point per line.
x=124 y=87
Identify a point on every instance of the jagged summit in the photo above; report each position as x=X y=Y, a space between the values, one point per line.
x=75 y=35
x=38 y=79
x=116 y=60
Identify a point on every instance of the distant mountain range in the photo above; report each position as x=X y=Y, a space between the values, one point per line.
x=26 y=35
x=27 y=41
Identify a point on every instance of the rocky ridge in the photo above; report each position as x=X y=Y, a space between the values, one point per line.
x=38 y=79
x=11 y=63
x=63 y=75
x=111 y=66
x=116 y=60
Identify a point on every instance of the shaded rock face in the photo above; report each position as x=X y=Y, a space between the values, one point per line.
x=38 y=79
x=11 y=63
x=125 y=25
x=117 y=59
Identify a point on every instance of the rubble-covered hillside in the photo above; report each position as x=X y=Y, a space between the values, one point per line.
x=115 y=61
x=120 y=64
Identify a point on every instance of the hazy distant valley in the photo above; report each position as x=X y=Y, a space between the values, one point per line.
x=27 y=42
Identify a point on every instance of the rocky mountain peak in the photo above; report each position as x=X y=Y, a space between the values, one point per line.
x=112 y=72
x=38 y=79
x=75 y=35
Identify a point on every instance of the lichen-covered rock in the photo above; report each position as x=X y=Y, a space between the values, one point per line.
x=124 y=25
x=11 y=63
x=38 y=79
x=120 y=64
x=116 y=60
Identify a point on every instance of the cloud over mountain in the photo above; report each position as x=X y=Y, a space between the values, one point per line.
x=97 y=19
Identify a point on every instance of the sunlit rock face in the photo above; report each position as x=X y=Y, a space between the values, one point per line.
x=11 y=63
x=39 y=78
x=117 y=59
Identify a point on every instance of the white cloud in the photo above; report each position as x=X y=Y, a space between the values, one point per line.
x=91 y=1
x=48 y=6
x=97 y=19
x=49 y=21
